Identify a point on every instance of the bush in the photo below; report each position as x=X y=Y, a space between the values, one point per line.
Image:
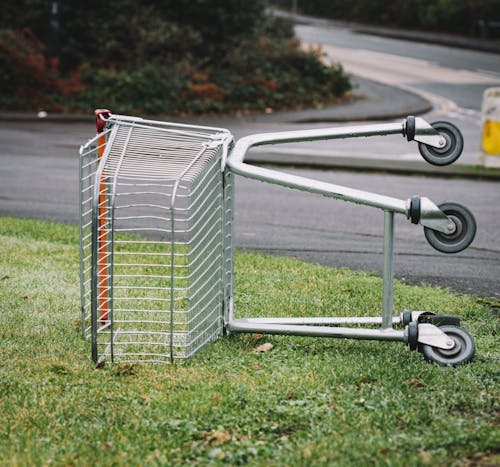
x=279 y=75
x=161 y=57
x=253 y=76
x=27 y=79
x=150 y=89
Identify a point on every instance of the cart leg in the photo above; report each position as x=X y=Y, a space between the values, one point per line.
x=388 y=274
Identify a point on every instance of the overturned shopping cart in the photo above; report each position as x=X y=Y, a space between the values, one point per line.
x=157 y=239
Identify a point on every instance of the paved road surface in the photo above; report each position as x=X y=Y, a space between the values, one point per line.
x=452 y=79
x=38 y=178
x=336 y=233
x=453 y=73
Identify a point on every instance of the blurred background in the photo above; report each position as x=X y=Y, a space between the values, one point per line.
x=193 y=56
x=169 y=57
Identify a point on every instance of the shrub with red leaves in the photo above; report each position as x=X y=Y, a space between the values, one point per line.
x=28 y=79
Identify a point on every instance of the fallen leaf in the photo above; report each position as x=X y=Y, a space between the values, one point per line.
x=426 y=457
x=417 y=383
x=216 y=438
x=126 y=369
x=264 y=347
x=257 y=336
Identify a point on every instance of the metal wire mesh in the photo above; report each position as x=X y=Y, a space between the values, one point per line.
x=155 y=244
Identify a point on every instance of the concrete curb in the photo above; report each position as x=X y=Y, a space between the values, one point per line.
x=7 y=116
x=371 y=101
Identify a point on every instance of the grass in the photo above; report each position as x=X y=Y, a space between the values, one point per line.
x=306 y=402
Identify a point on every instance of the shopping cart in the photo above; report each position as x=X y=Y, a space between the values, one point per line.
x=157 y=239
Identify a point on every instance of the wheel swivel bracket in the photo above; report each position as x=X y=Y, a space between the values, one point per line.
x=417 y=129
x=431 y=335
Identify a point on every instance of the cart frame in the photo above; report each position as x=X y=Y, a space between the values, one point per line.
x=430 y=216
x=449 y=228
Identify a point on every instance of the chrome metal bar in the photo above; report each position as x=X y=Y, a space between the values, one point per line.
x=321 y=320
x=315 y=186
x=127 y=119
x=244 y=144
x=172 y=281
x=237 y=165
x=82 y=241
x=388 y=274
x=244 y=326
x=112 y=248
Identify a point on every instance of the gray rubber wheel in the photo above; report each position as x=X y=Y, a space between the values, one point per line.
x=406 y=318
x=463 y=351
x=450 y=152
x=412 y=335
x=464 y=233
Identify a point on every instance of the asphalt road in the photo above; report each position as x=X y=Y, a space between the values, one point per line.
x=456 y=74
x=39 y=178
x=452 y=79
x=318 y=229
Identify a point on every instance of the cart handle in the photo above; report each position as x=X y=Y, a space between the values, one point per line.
x=418 y=128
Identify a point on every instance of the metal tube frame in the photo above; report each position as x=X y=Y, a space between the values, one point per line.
x=327 y=327
x=233 y=163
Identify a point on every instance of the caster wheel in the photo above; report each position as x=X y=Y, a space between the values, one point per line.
x=412 y=330
x=464 y=233
x=463 y=351
x=406 y=318
x=450 y=152
x=439 y=320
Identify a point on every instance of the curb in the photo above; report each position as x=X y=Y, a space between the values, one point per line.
x=33 y=117
x=448 y=40
x=369 y=103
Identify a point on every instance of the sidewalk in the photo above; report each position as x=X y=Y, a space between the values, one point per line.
x=451 y=40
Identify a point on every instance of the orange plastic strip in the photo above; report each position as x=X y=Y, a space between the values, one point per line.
x=102 y=232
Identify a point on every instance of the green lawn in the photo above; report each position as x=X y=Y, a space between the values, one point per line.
x=306 y=402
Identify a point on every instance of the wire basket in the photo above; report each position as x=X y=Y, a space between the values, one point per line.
x=156 y=252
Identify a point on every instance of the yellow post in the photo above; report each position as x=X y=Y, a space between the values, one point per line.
x=490 y=143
